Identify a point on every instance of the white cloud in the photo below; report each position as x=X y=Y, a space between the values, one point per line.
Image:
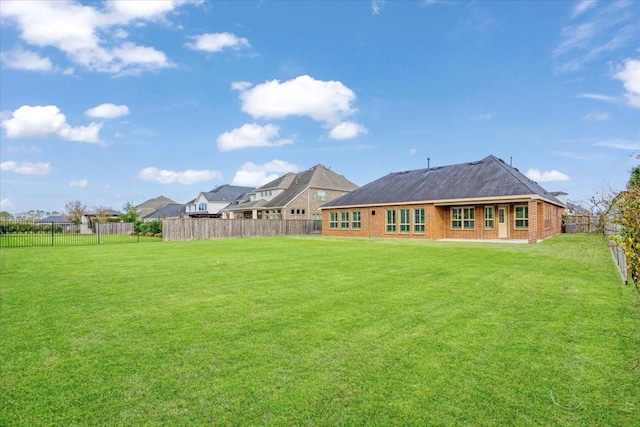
x=251 y=135
x=376 y=6
x=629 y=75
x=107 y=111
x=546 y=176
x=581 y=7
x=412 y=151
x=608 y=29
x=482 y=117
x=217 y=42
x=596 y=116
x=254 y=175
x=599 y=97
x=123 y=11
x=26 y=61
x=187 y=177
x=26 y=168
x=47 y=122
x=6 y=205
x=91 y=36
x=322 y=101
x=80 y=183
x=621 y=144
x=347 y=130
x=240 y=86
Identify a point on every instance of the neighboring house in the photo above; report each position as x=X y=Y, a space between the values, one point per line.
x=482 y=200
x=89 y=219
x=571 y=208
x=56 y=219
x=209 y=204
x=152 y=205
x=170 y=211
x=292 y=196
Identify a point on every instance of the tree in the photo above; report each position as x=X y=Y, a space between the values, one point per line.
x=130 y=214
x=31 y=216
x=101 y=213
x=75 y=209
x=634 y=181
x=6 y=216
x=630 y=220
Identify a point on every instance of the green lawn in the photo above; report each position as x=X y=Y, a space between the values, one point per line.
x=318 y=331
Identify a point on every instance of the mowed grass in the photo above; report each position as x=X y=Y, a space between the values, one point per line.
x=319 y=331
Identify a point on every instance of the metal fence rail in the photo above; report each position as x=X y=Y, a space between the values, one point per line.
x=38 y=233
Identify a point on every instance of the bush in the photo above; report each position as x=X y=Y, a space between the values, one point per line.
x=153 y=227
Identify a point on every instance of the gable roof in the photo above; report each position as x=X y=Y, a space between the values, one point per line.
x=227 y=193
x=317 y=177
x=155 y=203
x=58 y=219
x=282 y=182
x=487 y=178
x=171 y=210
x=294 y=183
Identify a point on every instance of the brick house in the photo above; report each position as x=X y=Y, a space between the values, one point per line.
x=481 y=200
x=292 y=196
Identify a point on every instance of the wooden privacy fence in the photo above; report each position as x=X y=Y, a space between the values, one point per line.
x=211 y=228
x=583 y=223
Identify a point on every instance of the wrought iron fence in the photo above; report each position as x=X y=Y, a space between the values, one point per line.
x=39 y=233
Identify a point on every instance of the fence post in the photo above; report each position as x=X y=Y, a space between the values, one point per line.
x=53 y=234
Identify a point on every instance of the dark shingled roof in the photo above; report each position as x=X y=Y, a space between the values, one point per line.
x=172 y=210
x=489 y=177
x=227 y=193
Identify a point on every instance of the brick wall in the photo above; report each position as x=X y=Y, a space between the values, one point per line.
x=438 y=223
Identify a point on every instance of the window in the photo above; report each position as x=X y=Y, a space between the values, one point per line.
x=344 y=219
x=405 y=221
x=522 y=216
x=547 y=216
x=322 y=195
x=489 y=218
x=418 y=220
x=202 y=206
x=463 y=218
x=298 y=212
x=391 y=221
x=356 y=220
x=293 y=211
x=333 y=219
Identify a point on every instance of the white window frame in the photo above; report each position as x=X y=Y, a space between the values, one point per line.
x=524 y=220
x=489 y=220
x=419 y=225
x=390 y=226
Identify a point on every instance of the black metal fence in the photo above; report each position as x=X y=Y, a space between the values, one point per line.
x=38 y=233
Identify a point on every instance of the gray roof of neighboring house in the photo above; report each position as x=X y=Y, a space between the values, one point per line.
x=173 y=210
x=316 y=177
x=227 y=193
x=107 y=212
x=155 y=203
x=489 y=177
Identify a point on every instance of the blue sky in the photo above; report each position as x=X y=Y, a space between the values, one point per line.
x=116 y=102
